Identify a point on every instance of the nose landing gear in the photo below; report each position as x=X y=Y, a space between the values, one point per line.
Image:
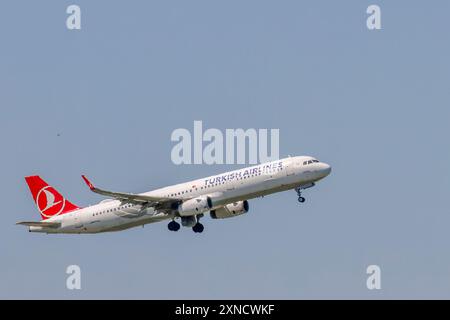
x=299 y=194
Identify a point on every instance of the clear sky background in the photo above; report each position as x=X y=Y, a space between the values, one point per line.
x=104 y=101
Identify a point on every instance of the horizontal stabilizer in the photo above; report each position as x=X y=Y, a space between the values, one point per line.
x=42 y=224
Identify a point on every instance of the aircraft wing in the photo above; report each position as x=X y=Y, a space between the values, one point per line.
x=131 y=197
x=40 y=224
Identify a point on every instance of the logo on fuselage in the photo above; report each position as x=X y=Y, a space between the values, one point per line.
x=49 y=202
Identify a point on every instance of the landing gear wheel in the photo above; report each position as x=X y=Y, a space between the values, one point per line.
x=198 y=228
x=299 y=194
x=173 y=226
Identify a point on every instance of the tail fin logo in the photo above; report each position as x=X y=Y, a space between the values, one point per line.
x=50 y=202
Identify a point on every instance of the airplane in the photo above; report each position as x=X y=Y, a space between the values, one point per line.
x=223 y=196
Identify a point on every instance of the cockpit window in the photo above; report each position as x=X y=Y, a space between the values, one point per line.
x=310 y=161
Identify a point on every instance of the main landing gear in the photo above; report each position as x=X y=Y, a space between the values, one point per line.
x=299 y=194
x=173 y=226
x=198 y=228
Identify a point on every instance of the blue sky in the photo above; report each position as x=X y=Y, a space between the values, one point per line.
x=104 y=101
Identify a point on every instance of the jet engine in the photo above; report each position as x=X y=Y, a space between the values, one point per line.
x=195 y=206
x=230 y=210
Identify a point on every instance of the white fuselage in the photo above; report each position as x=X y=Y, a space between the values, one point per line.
x=237 y=185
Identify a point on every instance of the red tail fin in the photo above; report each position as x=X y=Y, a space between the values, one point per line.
x=48 y=200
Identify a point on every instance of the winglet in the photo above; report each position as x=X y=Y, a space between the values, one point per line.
x=90 y=185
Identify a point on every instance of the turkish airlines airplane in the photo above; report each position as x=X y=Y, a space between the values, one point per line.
x=225 y=195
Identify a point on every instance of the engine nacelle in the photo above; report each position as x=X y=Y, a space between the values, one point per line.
x=230 y=210
x=195 y=206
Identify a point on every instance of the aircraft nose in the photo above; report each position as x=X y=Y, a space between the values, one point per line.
x=325 y=168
